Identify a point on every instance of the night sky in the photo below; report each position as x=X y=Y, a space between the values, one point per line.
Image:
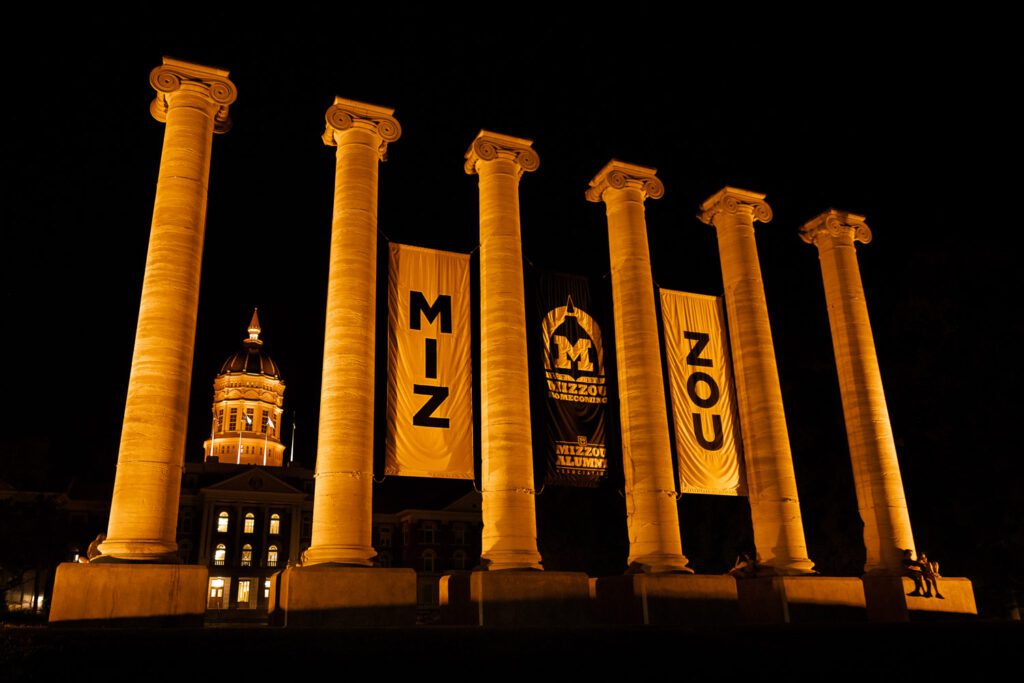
x=907 y=124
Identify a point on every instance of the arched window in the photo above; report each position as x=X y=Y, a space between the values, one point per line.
x=246 y=555
x=220 y=554
x=429 y=561
x=459 y=559
x=250 y=523
x=275 y=523
x=222 y=521
x=272 y=556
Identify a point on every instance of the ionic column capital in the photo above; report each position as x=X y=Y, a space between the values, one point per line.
x=488 y=146
x=618 y=175
x=348 y=114
x=842 y=226
x=213 y=84
x=734 y=201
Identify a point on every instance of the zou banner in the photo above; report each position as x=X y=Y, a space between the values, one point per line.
x=704 y=412
x=430 y=372
x=573 y=348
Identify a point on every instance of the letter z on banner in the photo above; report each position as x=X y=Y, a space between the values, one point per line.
x=704 y=411
x=430 y=372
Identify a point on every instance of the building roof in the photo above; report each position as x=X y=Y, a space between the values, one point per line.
x=251 y=359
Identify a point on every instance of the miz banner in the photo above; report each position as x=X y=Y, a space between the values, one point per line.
x=430 y=383
x=703 y=398
x=575 y=385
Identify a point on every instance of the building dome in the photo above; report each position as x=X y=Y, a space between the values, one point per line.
x=251 y=359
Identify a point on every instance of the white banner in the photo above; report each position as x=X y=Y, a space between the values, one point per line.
x=430 y=372
x=704 y=410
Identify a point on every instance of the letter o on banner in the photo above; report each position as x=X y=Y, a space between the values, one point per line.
x=691 y=389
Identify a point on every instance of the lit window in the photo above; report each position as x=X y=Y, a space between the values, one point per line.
x=385 y=537
x=220 y=420
x=220 y=554
x=459 y=531
x=250 y=418
x=266 y=589
x=275 y=523
x=217 y=588
x=427 y=533
x=429 y=560
x=233 y=419
x=250 y=523
x=272 y=556
x=459 y=559
x=246 y=555
x=243 y=592
x=222 y=522
x=263 y=421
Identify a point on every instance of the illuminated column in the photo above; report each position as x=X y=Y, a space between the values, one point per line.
x=774 y=505
x=876 y=470
x=651 y=512
x=342 y=501
x=192 y=101
x=510 y=518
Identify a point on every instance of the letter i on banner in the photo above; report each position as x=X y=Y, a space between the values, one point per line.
x=704 y=411
x=430 y=372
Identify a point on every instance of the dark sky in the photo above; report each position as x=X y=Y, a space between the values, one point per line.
x=905 y=122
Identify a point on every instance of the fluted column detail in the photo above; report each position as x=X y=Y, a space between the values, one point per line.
x=876 y=469
x=193 y=102
x=652 y=516
x=343 y=498
x=771 y=481
x=509 y=513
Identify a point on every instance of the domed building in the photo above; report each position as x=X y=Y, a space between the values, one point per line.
x=248 y=400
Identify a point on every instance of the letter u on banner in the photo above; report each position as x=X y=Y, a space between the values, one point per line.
x=430 y=372
x=704 y=413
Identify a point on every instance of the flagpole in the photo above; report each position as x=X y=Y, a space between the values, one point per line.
x=213 y=423
x=266 y=435
x=291 y=454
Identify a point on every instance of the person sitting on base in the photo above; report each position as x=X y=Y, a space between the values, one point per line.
x=914 y=571
x=929 y=572
x=745 y=567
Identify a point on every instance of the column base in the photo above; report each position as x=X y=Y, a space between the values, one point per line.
x=666 y=599
x=888 y=599
x=800 y=599
x=515 y=598
x=324 y=595
x=128 y=594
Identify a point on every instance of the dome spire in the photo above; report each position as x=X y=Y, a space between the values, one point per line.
x=254 y=327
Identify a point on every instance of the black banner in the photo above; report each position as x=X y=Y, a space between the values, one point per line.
x=574 y=345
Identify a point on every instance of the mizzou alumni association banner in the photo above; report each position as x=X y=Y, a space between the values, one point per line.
x=575 y=383
x=704 y=410
x=430 y=383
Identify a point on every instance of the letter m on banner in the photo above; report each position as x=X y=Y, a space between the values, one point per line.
x=430 y=400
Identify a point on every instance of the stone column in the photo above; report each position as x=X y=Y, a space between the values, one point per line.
x=876 y=470
x=651 y=511
x=192 y=101
x=342 y=502
x=510 y=518
x=774 y=505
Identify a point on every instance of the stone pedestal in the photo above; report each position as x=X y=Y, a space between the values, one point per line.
x=325 y=595
x=888 y=600
x=666 y=599
x=127 y=594
x=800 y=599
x=516 y=598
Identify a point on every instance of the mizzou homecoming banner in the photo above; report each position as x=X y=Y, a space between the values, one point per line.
x=703 y=398
x=575 y=387
x=430 y=383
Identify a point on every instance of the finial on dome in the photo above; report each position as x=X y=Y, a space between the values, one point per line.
x=254 y=326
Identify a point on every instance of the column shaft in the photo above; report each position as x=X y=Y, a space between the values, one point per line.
x=771 y=481
x=509 y=539
x=651 y=511
x=342 y=503
x=144 y=508
x=876 y=471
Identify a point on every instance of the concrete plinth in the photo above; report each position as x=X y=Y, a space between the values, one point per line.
x=888 y=599
x=666 y=599
x=326 y=595
x=119 y=594
x=801 y=599
x=516 y=598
